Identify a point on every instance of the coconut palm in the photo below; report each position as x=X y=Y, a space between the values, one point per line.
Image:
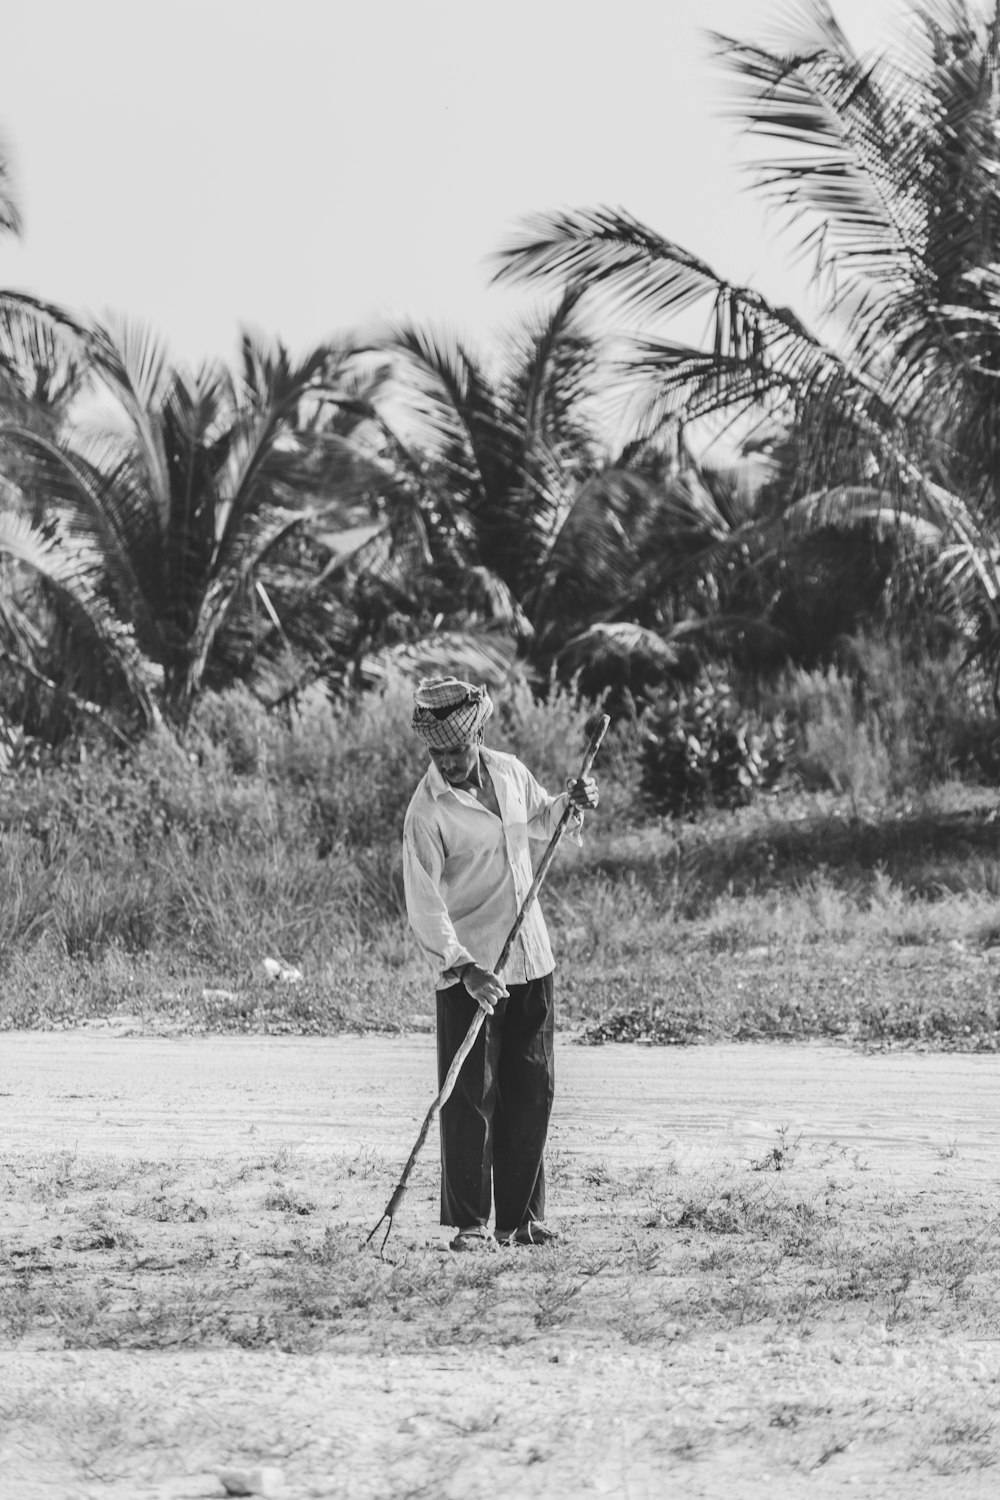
x=588 y=557
x=375 y=603
x=49 y=584
x=181 y=491
x=42 y=576
x=888 y=166
x=40 y=367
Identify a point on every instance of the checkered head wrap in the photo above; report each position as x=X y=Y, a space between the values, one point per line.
x=449 y=713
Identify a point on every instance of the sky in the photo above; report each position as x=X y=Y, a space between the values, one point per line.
x=307 y=168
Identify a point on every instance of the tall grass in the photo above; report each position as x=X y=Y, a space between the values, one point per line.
x=148 y=883
x=256 y=837
x=893 y=723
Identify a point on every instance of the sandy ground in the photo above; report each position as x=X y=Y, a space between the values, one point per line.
x=564 y=1413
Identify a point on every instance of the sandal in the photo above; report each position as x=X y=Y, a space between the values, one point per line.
x=472 y=1238
x=533 y=1232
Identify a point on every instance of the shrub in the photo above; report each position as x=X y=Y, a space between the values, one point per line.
x=700 y=749
x=362 y=761
x=891 y=721
x=349 y=768
x=549 y=733
x=837 y=747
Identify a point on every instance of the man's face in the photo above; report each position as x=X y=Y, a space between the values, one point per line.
x=458 y=764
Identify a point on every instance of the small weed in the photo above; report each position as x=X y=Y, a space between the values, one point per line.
x=640 y=1317
x=831 y=1451
x=640 y=1253
x=366 y=1164
x=597 y=1175
x=968 y=1430
x=283 y=1200
x=963 y=1444
x=162 y=1209
x=780 y=1156
x=557 y=1288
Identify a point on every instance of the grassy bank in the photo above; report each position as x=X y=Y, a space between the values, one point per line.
x=153 y=890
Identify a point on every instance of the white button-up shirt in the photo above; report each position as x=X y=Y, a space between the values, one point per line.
x=467 y=872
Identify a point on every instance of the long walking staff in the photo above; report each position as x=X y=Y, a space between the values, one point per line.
x=480 y=1016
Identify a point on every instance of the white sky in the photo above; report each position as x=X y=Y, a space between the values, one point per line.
x=304 y=167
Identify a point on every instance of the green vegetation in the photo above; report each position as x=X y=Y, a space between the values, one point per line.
x=216 y=590
x=153 y=886
x=217 y=586
x=700 y=749
x=403 y=499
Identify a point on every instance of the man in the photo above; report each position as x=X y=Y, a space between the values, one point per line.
x=466 y=870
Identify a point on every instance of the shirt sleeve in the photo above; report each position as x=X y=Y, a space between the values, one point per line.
x=423 y=865
x=544 y=811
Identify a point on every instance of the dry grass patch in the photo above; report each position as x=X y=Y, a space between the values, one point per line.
x=791 y=1311
x=260 y=1254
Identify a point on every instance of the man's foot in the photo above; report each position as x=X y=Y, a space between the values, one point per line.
x=472 y=1238
x=532 y=1233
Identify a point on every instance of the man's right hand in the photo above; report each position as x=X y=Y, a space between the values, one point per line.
x=485 y=987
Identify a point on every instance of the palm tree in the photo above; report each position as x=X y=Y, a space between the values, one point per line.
x=50 y=587
x=40 y=368
x=43 y=575
x=373 y=602
x=180 y=493
x=889 y=167
x=587 y=557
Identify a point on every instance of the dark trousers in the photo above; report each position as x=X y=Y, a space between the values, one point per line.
x=495 y=1123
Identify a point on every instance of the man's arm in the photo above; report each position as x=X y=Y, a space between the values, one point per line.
x=423 y=865
x=544 y=811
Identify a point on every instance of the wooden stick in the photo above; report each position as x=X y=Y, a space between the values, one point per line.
x=468 y=1041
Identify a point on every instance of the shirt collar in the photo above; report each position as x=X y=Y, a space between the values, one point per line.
x=436 y=783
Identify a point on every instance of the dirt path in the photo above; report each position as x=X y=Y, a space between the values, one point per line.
x=839 y=1404
x=95 y=1091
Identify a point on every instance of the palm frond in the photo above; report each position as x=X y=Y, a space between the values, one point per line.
x=846 y=506
x=550 y=366
x=10 y=213
x=485 y=595
x=42 y=355
x=613 y=645
x=621 y=261
x=857 y=150
x=451 y=404
x=74 y=575
x=101 y=506
x=476 y=655
x=482 y=459
x=350 y=396
x=772 y=373
x=134 y=368
x=221 y=595
x=613 y=648
x=756 y=355
x=273 y=379
x=266 y=463
x=389 y=558
x=596 y=551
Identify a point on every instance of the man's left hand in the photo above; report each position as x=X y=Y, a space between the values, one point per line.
x=583 y=791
